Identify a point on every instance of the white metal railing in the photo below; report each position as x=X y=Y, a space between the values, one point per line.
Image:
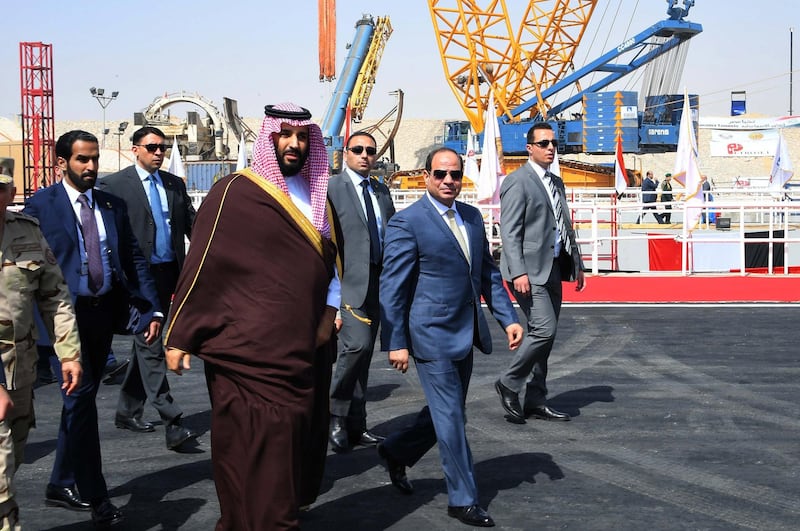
x=594 y=209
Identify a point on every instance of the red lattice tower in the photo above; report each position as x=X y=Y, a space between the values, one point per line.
x=38 y=122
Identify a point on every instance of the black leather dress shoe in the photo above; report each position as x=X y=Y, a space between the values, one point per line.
x=177 y=435
x=65 y=497
x=397 y=471
x=510 y=402
x=338 y=434
x=105 y=514
x=369 y=439
x=471 y=515
x=132 y=423
x=545 y=413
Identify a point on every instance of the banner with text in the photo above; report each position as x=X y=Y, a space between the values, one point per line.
x=726 y=143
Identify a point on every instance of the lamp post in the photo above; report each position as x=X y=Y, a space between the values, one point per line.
x=119 y=133
x=103 y=100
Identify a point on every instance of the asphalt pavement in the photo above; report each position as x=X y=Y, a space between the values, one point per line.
x=683 y=418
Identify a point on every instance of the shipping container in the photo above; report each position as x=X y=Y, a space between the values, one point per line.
x=200 y=176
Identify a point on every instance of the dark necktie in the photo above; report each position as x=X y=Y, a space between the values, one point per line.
x=559 y=213
x=372 y=225
x=162 y=234
x=91 y=243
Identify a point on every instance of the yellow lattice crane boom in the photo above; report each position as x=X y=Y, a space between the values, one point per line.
x=482 y=50
x=369 y=70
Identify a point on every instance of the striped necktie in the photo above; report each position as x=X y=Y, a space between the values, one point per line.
x=558 y=210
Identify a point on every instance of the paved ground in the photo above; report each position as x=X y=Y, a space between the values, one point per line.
x=684 y=418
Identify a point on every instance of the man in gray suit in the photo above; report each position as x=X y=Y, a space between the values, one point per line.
x=539 y=251
x=161 y=215
x=363 y=206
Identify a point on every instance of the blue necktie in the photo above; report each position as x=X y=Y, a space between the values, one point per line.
x=372 y=225
x=161 y=248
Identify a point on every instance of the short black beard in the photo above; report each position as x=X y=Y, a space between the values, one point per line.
x=292 y=168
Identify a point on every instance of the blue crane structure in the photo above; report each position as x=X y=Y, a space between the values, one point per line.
x=655 y=127
x=336 y=112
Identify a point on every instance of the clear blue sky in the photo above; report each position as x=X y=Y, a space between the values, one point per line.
x=258 y=53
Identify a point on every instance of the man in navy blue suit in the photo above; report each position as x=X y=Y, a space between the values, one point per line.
x=436 y=267
x=89 y=232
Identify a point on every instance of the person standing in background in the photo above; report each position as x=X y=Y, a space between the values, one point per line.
x=667 y=198
x=363 y=206
x=161 y=215
x=539 y=252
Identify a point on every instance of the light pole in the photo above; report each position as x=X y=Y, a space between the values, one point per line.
x=103 y=100
x=119 y=133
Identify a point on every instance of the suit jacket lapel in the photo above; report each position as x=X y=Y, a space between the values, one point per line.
x=138 y=189
x=473 y=236
x=542 y=189
x=353 y=194
x=438 y=221
x=109 y=221
x=383 y=203
x=169 y=188
x=61 y=201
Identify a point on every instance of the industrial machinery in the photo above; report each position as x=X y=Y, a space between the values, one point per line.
x=202 y=138
x=527 y=69
x=354 y=86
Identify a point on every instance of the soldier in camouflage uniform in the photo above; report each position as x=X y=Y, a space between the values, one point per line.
x=29 y=274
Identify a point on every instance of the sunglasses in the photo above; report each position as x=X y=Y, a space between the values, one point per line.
x=358 y=150
x=152 y=148
x=544 y=143
x=456 y=175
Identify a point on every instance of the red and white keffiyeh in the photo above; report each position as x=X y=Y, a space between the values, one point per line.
x=315 y=169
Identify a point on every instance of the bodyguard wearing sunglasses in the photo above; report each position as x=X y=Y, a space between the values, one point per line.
x=161 y=215
x=539 y=252
x=363 y=206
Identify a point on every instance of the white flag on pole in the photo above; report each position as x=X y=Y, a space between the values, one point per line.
x=175 y=162
x=241 y=161
x=782 y=169
x=687 y=167
x=489 y=178
x=471 y=170
x=620 y=173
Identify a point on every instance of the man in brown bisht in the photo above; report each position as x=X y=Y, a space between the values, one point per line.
x=256 y=301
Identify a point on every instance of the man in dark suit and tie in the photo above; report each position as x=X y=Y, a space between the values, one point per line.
x=91 y=237
x=436 y=268
x=161 y=215
x=539 y=251
x=363 y=207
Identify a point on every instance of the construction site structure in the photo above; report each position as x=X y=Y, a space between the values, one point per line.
x=38 y=117
x=528 y=66
x=354 y=85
